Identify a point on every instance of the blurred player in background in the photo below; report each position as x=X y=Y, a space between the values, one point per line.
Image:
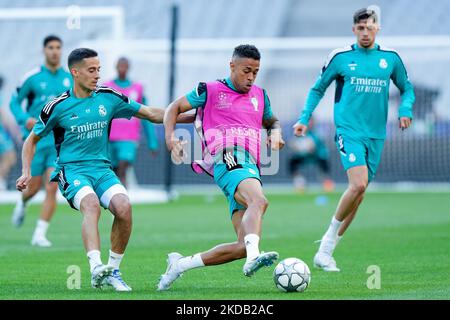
x=309 y=150
x=362 y=72
x=230 y=115
x=7 y=150
x=80 y=119
x=125 y=134
x=39 y=86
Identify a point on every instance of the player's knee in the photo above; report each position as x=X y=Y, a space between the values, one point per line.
x=358 y=187
x=51 y=189
x=121 y=207
x=261 y=203
x=90 y=206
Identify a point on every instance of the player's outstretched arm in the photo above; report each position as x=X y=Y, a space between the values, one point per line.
x=174 y=112
x=28 y=150
x=156 y=115
x=152 y=114
x=275 y=137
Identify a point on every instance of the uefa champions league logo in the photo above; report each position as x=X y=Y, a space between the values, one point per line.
x=223 y=102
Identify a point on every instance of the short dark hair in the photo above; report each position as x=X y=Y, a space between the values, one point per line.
x=364 y=14
x=123 y=60
x=246 y=51
x=50 y=38
x=79 y=54
x=1 y=82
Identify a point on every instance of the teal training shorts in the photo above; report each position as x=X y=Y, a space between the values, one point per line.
x=123 y=151
x=6 y=143
x=360 y=152
x=44 y=158
x=228 y=174
x=77 y=181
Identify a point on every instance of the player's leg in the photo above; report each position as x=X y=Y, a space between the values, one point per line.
x=298 y=179
x=75 y=185
x=39 y=165
x=177 y=264
x=250 y=194
x=324 y=166
x=114 y=196
x=47 y=210
x=8 y=157
x=19 y=212
x=375 y=149
x=348 y=220
x=120 y=234
x=354 y=159
x=7 y=160
x=348 y=204
x=89 y=206
x=228 y=252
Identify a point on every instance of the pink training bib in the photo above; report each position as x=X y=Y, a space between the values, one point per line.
x=229 y=119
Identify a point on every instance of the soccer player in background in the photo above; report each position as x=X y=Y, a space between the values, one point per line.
x=230 y=115
x=125 y=134
x=307 y=150
x=80 y=119
x=7 y=152
x=39 y=86
x=362 y=72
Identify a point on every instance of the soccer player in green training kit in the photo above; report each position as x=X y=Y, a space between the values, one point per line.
x=362 y=72
x=38 y=87
x=80 y=120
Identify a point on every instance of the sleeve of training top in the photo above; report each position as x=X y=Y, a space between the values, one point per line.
x=316 y=93
x=400 y=78
x=197 y=97
x=22 y=92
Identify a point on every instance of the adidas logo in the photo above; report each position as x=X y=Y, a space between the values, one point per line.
x=73 y=116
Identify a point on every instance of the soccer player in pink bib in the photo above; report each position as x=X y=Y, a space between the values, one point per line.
x=126 y=133
x=230 y=115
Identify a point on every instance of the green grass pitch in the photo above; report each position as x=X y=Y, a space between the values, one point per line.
x=407 y=235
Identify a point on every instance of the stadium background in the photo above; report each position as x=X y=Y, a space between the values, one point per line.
x=404 y=233
x=294 y=37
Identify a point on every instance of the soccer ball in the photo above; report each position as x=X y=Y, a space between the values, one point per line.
x=292 y=275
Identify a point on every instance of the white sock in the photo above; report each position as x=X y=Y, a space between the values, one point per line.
x=41 y=228
x=333 y=229
x=115 y=259
x=94 y=259
x=338 y=239
x=252 y=246
x=191 y=262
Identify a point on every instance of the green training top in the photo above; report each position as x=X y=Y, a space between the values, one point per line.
x=362 y=90
x=81 y=125
x=38 y=87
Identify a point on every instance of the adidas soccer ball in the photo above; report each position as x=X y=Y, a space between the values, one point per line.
x=292 y=275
